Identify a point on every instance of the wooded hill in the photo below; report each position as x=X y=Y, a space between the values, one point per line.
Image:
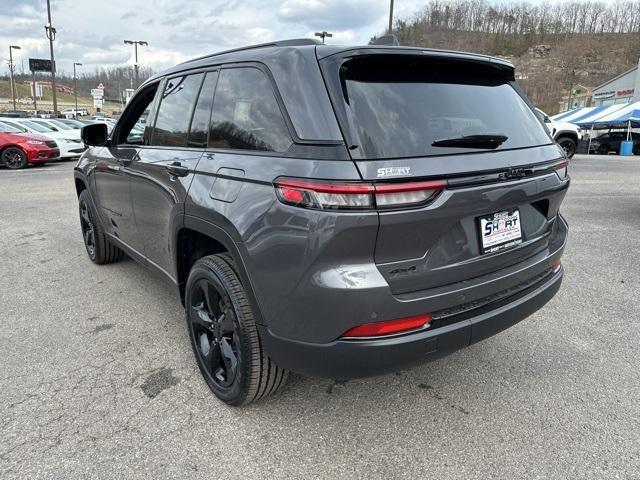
x=552 y=46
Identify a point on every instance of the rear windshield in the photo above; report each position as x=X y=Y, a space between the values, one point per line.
x=402 y=104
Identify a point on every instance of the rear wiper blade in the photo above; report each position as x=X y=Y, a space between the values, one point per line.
x=487 y=140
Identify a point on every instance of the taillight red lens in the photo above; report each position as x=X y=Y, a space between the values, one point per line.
x=562 y=169
x=388 y=327
x=325 y=195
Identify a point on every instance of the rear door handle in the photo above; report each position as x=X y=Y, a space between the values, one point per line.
x=177 y=169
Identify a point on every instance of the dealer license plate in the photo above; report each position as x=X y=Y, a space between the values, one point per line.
x=500 y=230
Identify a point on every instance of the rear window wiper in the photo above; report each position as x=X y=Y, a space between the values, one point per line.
x=486 y=140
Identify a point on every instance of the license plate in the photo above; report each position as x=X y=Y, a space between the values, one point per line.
x=500 y=230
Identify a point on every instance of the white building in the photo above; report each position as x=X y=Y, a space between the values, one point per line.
x=625 y=88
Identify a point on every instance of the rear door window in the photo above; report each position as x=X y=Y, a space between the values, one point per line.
x=408 y=106
x=174 y=113
x=200 y=122
x=246 y=114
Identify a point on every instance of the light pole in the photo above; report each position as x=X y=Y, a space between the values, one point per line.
x=51 y=35
x=323 y=34
x=13 y=82
x=75 y=87
x=135 y=44
x=391 y=17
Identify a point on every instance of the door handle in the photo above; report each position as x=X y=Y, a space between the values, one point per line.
x=177 y=169
x=125 y=161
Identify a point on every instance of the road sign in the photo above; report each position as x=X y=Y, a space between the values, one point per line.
x=39 y=65
x=38 y=89
x=97 y=102
x=97 y=92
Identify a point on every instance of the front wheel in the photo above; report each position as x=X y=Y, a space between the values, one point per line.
x=99 y=249
x=14 y=158
x=568 y=145
x=603 y=150
x=224 y=336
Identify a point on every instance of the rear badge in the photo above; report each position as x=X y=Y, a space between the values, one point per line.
x=393 y=171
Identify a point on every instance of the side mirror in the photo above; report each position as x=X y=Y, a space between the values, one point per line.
x=54 y=129
x=547 y=119
x=94 y=135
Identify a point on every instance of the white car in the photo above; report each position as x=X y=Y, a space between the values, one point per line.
x=565 y=134
x=70 y=145
x=58 y=126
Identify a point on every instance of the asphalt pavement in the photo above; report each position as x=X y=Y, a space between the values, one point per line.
x=97 y=377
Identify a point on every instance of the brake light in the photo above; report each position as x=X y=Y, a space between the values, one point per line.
x=355 y=196
x=387 y=327
x=562 y=169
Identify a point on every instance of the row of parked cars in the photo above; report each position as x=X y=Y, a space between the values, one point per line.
x=31 y=140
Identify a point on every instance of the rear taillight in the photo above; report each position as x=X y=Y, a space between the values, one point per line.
x=562 y=169
x=388 y=327
x=356 y=196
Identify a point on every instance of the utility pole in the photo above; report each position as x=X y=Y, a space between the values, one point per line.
x=75 y=88
x=51 y=35
x=323 y=34
x=135 y=44
x=11 y=69
x=391 y=18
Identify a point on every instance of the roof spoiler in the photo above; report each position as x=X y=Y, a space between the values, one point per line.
x=388 y=40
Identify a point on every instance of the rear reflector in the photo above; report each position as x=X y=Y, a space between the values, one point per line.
x=555 y=266
x=388 y=327
x=354 y=196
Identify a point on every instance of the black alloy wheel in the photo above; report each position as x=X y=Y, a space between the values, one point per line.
x=214 y=332
x=14 y=158
x=88 y=231
x=224 y=335
x=568 y=145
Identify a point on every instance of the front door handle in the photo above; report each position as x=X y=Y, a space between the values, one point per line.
x=178 y=170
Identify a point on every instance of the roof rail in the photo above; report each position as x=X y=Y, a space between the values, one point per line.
x=293 y=42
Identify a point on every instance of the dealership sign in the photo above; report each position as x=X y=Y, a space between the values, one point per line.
x=39 y=65
x=625 y=93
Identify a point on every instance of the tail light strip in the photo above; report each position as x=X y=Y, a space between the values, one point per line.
x=356 y=196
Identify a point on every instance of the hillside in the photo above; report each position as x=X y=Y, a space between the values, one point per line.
x=24 y=94
x=552 y=48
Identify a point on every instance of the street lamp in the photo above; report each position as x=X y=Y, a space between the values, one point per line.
x=135 y=44
x=323 y=34
x=390 y=18
x=51 y=35
x=75 y=87
x=13 y=82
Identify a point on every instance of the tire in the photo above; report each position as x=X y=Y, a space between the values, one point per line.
x=604 y=149
x=568 y=145
x=14 y=158
x=224 y=336
x=99 y=249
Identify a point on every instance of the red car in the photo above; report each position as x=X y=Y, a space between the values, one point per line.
x=17 y=149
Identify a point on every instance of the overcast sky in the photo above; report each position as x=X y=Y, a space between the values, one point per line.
x=92 y=32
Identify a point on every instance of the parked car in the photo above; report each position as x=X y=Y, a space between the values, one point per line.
x=70 y=146
x=57 y=126
x=71 y=112
x=76 y=124
x=17 y=150
x=16 y=114
x=305 y=231
x=565 y=134
x=610 y=142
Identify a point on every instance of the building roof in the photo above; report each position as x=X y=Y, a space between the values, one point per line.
x=615 y=78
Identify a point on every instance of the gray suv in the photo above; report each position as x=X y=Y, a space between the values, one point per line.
x=333 y=211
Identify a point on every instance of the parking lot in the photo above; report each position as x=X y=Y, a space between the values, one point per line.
x=98 y=379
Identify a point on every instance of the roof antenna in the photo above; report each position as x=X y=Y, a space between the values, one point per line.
x=389 y=40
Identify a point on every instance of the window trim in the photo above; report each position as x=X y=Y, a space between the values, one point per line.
x=193 y=112
x=115 y=134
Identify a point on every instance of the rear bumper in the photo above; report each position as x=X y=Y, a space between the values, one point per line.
x=360 y=358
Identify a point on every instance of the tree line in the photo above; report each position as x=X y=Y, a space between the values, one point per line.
x=524 y=18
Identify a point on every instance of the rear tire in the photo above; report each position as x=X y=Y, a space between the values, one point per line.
x=224 y=336
x=568 y=145
x=99 y=249
x=14 y=158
